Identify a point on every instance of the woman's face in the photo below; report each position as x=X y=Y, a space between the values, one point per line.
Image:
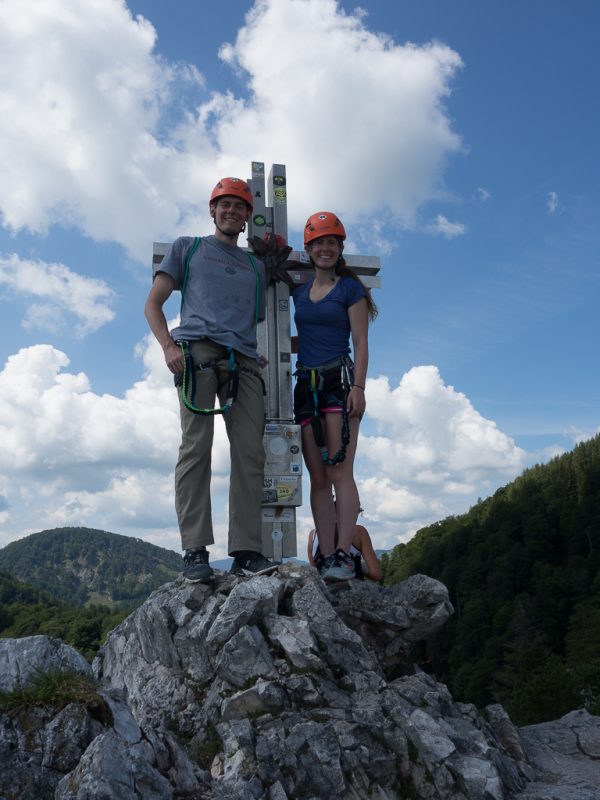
x=325 y=251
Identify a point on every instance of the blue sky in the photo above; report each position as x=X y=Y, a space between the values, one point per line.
x=459 y=141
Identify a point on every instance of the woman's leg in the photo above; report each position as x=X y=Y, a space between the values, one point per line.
x=321 y=497
x=347 y=503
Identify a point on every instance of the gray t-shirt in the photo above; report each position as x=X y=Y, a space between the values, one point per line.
x=224 y=293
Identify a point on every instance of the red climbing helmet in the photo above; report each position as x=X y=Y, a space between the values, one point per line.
x=323 y=223
x=232 y=186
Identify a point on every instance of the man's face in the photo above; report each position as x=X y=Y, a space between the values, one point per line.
x=230 y=214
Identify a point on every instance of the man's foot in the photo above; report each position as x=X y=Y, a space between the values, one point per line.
x=337 y=567
x=196 y=568
x=248 y=562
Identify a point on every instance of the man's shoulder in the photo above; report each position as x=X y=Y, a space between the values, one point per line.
x=184 y=241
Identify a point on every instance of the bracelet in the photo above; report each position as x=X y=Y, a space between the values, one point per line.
x=356 y=386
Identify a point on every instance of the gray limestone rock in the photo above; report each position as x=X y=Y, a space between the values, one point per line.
x=38 y=746
x=390 y=620
x=565 y=754
x=20 y=659
x=280 y=687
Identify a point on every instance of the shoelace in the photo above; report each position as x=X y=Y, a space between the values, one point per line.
x=195 y=557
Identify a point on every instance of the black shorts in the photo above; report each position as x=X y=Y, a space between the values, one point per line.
x=331 y=394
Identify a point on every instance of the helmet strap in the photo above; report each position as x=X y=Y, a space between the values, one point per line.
x=213 y=214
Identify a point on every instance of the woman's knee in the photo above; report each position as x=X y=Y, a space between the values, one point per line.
x=343 y=483
x=319 y=480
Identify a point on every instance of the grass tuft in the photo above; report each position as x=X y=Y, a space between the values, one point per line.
x=54 y=689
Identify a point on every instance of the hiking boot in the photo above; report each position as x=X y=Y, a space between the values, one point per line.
x=325 y=562
x=196 y=568
x=248 y=562
x=338 y=567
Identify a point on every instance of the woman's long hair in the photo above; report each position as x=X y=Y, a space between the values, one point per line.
x=343 y=270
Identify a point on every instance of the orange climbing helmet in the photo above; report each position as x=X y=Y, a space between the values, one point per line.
x=232 y=186
x=323 y=223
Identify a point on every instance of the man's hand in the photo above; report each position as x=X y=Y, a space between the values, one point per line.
x=173 y=357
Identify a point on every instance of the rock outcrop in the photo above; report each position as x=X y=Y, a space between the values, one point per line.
x=279 y=687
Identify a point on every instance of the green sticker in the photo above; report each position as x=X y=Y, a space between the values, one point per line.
x=259 y=220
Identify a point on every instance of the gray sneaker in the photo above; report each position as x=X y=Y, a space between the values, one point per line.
x=196 y=568
x=338 y=567
x=248 y=562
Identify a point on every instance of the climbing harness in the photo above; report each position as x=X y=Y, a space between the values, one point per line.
x=318 y=379
x=187 y=381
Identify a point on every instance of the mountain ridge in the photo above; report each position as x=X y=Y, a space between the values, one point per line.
x=87 y=566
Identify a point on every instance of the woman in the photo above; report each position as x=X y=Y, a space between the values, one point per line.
x=366 y=563
x=329 y=397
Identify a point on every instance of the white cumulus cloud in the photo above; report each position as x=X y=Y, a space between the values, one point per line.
x=69 y=456
x=66 y=295
x=97 y=140
x=432 y=454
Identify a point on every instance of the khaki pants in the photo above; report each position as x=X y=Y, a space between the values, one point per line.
x=244 y=423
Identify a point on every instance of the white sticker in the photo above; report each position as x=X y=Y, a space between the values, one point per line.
x=277 y=445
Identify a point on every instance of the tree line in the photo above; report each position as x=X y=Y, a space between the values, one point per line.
x=25 y=611
x=523 y=572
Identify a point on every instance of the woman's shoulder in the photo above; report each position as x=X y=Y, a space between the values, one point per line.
x=351 y=288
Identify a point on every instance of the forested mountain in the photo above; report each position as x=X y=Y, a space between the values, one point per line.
x=25 y=611
x=523 y=571
x=82 y=566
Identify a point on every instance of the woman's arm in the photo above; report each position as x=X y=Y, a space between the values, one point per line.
x=363 y=543
x=309 y=548
x=359 y=328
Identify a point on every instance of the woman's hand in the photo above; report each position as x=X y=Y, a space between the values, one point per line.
x=356 y=402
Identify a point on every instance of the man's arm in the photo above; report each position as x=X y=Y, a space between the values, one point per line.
x=161 y=290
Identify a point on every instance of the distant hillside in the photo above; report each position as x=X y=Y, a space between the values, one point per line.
x=25 y=611
x=523 y=570
x=82 y=566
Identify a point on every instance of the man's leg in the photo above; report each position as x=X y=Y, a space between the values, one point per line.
x=245 y=427
x=193 y=470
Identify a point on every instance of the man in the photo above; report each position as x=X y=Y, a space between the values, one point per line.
x=212 y=353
